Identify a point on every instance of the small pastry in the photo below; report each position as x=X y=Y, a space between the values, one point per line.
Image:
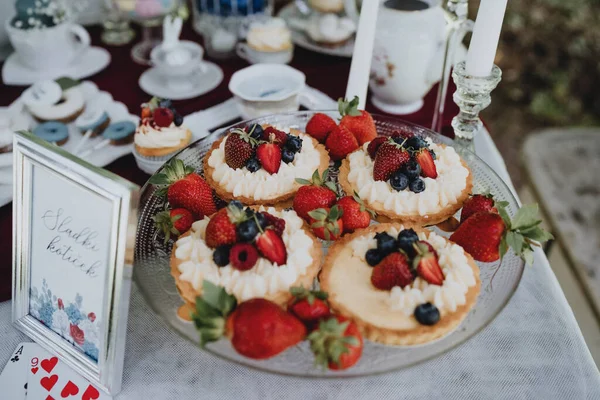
x=53 y=132
x=329 y=30
x=260 y=164
x=95 y=120
x=67 y=109
x=119 y=133
x=249 y=263
x=401 y=285
x=161 y=132
x=409 y=179
x=327 y=6
x=270 y=36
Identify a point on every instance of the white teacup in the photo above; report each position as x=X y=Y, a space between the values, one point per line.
x=179 y=62
x=266 y=89
x=48 y=48
x=408 y=56
x=254 y=56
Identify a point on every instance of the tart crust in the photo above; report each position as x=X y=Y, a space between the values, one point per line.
x=189 y=294
x=282 y=201
x=419 y=335
x=163 y=151
x=384 y=215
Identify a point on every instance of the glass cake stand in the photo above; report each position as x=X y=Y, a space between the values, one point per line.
x=152 y=271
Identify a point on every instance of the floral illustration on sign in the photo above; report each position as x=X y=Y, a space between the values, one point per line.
x=66 y=318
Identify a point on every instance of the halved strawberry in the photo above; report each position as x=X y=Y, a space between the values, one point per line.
x=476 y=203
x=239 y=148
x=272 y=135
x=390 y=158
x=426 y=263
x=392 y=271
x=374 y=145
x=271 y=246
x=320 y=126
x=269 y=155
x=425 y=160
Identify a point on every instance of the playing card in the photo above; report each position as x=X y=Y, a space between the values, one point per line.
x=13 y=381
x=51 y=379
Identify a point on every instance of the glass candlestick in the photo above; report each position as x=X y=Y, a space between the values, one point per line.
x=472 y=95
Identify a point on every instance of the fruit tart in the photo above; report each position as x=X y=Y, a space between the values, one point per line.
x=259 y=165
x=250 y=252
x=407 y=178
x=401 y=285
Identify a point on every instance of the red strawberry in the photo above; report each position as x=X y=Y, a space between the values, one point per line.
x=340 y=143
x=175 y=222
x=273 y=135
x=327 y=224
x=355 y=214
x=316 y=193
x=392 y=271
x=320 y=126
x=271 y=246
x=186 y=189
x=425 y=160
x=261 y=329
x=390 y=158
x=480 y=235
x=243 y=256
x=163 y=117
x=308 y=305
x=337 y=343
x=277 y=224
x=476 y=203
x=426 y=263
x=269 y=155
x=221 y=228
x=375 y=144
x=360 y=123
x=239 y=148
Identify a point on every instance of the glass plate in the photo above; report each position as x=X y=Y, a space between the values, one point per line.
x=152 y=271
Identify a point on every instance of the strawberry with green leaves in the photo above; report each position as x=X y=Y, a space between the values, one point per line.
x=185 y=189
x=221 y=229
x=355 y=214
x=341 y=142
x=486 y=236
x=337 y=343
x=390 y=157
x=327 y=224
x=476 y=203
x=359 y=122
x=173 y=222
x=309 y=305
x=319 y=192
x=239 y=148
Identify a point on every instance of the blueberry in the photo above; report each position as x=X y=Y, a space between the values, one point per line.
x=293 y=143
x=373 y=257
x=262 y=220
x=249 y=212
x=236 y=203
x=253 y=164
x=427 y=314
x=405 y=241
x=255 y=131
x=165 y=103
x=412 y=170
x=287 y=156
x=416 y=143
x=178 y=119
x=432 y=154
x=385 y=243
x=399 y=181
x=417 y=186
x=221 y=255
x=247 y=230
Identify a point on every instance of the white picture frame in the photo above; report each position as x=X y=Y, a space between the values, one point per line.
x=53 y=192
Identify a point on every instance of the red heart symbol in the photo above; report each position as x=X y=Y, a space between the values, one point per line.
x=49 y=398
x=34 y=370
x=49 y=364
x=49 y=382
x=70 y=389
x=91 y=393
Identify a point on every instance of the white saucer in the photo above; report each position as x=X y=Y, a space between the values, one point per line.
x=153 y=83
x=92 y=61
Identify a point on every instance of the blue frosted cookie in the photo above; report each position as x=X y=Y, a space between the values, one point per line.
x=120 y=132
x=53 y=132
x=95 y=120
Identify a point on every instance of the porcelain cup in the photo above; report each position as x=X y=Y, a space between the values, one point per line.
x=48 y=48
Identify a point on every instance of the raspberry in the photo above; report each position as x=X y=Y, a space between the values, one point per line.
x=243 y=256
x=277 y=224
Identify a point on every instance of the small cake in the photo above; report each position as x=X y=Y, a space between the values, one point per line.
x=270 y=36
x=53 y=132
x=161 y=132
x=260 y=164
x=95 y=120
x=409 y=179
x=120 y=133
x=401 y=285
x=329 y=30
x=250 y=252
x=70 y=105
x=327 y=6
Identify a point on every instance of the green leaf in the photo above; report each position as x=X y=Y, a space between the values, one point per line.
x=331 y=186
x=159 y=179
x=528 y=256
x=503 y=248
x=515 y=241
x=320 y=214
x=325 y=175
x=504 y=214
x=316 y=178
x=525 y=217
x=67 y=83
x=303 y=181
x=537 y=234
x=218 y=298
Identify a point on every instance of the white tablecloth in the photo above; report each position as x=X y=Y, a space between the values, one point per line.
x=533 y=350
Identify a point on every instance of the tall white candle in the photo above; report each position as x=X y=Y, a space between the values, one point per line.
x=486 y=35
x=360 y=69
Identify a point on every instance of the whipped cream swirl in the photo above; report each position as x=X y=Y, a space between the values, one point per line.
x=152 y=138
x=265 y=278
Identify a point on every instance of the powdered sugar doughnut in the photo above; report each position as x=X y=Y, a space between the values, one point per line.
x=66 y=110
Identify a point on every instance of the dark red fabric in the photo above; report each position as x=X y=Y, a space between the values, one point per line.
x=120 y=78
